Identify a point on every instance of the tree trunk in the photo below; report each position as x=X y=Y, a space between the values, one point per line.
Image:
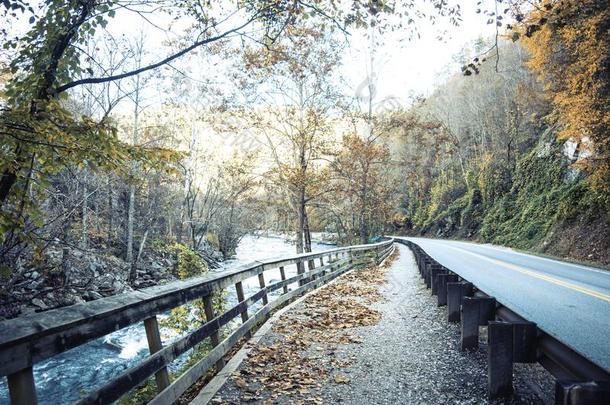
x=141 y=249
x=306 y=231
x=130 y=215
x=83 y=239
x=364 y=238
x=184 y=207
x=110 y=213
x=132 y=187
x=300 y=221
x=362 y=220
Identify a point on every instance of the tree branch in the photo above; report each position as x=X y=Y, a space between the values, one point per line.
x=94 y=80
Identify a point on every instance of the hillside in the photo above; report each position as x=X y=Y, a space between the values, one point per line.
x=549 y=209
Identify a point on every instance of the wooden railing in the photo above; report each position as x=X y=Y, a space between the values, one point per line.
x=27 y=340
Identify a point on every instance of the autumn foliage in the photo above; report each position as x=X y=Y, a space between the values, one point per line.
x=570 y=46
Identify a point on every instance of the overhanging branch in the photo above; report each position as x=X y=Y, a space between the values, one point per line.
x=96 y=80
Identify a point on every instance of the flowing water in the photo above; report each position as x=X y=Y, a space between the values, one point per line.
x=65 y=377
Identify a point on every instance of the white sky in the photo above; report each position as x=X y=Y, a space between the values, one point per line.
x=411 y=68
x=402 y=68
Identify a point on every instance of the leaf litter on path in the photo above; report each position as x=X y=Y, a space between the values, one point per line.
x=300 y=357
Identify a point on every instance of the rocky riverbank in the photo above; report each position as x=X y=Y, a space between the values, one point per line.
x=64 y=276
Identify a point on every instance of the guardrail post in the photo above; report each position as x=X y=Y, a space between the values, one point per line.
x=455 y=294
x=435 y=271
x=427 y=266
x=443 y=279
x=499 y=359
x=422 y=266
x=469 y=326
x=476 y=311
x=417 y=259
x=582 y=393
x=487 y=309
x=524 y=342
x=283 y=276
x=215 y=336
x=154 y=345
x=22 y=388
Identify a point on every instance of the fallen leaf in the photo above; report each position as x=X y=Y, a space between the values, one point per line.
x=341 y=379
x=240 y=382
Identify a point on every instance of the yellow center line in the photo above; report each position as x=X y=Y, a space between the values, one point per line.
x=544 y=277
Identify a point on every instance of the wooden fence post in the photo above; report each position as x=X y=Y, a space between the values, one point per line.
x=441 y=287
x=310 y=266
x=22 y=387
x=154 y=345
x=476 y=311
x=239 y=289
x=283 y=276
x=499 y=359
x=455 y=294
x=215 y=337
x=323 y=273
x=301 y=270
x=261 y=283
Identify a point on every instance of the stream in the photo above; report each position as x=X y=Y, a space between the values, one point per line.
x=64 y=378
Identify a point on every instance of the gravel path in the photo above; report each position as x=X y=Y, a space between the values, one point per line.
x=410 y=356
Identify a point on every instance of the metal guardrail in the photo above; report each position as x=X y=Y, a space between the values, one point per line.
x=27 y=340
x=511 y=338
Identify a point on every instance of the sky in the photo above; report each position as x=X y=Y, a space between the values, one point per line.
x=402 y=69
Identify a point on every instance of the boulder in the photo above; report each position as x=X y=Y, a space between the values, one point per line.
x=93 y=295
x=39 y=303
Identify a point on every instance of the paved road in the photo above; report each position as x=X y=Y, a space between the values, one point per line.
x=568 y=301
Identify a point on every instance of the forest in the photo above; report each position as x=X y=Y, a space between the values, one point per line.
x=127 y=163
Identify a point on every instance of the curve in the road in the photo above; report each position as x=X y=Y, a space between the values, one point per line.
x=570 y=302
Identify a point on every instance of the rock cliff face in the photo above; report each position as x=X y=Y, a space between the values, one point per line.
x=66 y=275
x=548 y=208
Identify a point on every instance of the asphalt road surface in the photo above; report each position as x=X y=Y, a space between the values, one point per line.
x=566 y=300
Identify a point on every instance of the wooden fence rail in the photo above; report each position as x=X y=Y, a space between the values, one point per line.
x=27 y=340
